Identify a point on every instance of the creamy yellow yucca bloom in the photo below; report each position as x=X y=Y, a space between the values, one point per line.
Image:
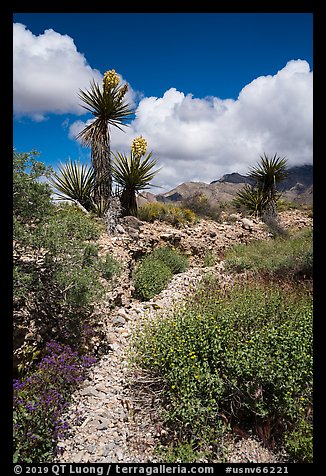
x=139 y=146
x=110 y=79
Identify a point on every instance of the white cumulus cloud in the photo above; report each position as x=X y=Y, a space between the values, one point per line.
x=202 y=139
x=48 y=72
x=194 y=139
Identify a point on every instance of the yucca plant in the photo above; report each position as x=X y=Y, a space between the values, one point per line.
x=133 y=173
x=261 y=198
x=74 y=181
x=109 y=109
x=252 y=198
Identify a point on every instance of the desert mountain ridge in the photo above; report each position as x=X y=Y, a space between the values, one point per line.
x=297 y=188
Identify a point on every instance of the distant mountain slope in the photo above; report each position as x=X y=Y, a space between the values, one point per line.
x=297 y=187
x=234 y=178
x=302 y=174
x=214 y=191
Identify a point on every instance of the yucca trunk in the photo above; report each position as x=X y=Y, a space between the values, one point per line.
x=101 y=161
x=129 y=202
x=270 y=209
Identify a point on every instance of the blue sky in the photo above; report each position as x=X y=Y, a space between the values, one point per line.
x=212 y=91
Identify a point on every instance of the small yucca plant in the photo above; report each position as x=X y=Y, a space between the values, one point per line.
x=252 y=198
x=133 y=173
x=74 y=181
x=261 y=199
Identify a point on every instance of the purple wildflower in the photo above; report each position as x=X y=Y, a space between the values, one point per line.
x=41 y=399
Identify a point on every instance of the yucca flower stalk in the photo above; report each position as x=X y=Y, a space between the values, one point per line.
x=109 y=109
x=139 y=146
x=133 y=173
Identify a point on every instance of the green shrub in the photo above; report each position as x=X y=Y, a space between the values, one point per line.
x=110 y=267
x=166 y=212
x=90 y=256
x=60 y=270
x=278 y=257
x=55 y=282
x=79 y=286
x=200 y=205
x=244 y=358
x=155 y=271
x=209 y=258
x=150 y=277
x=299 y=441
x=184 y=452
x=284 y=205
x=55 y=267
x=173 y=259
x=31 y=197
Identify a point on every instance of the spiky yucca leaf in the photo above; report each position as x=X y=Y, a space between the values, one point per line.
x=107 y=104
x=74 y=181
x=269 y=172
x=252 y=198
x=134 y=172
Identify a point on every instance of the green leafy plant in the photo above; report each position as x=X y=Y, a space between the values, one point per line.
x=299 y=441
x=181 y=452
x=110 y=267
x=56 y=269
x=241 y=358
x=150 y=277
x=200 y=205
x=173 y=259
x=31 y=197
x=209 y=258
x=156 y=269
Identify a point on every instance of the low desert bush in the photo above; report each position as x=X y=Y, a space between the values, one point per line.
x=202 y=207
x=155 y=271
x=166 y=212
x=242 y=358
x=291 y=256
x=209 y=258
x=173 y=259
x=110 y=267
x=274 y=227
x=150 y=277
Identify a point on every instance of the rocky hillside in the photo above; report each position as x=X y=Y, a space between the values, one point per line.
x=297 y=188
x=118 y=419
